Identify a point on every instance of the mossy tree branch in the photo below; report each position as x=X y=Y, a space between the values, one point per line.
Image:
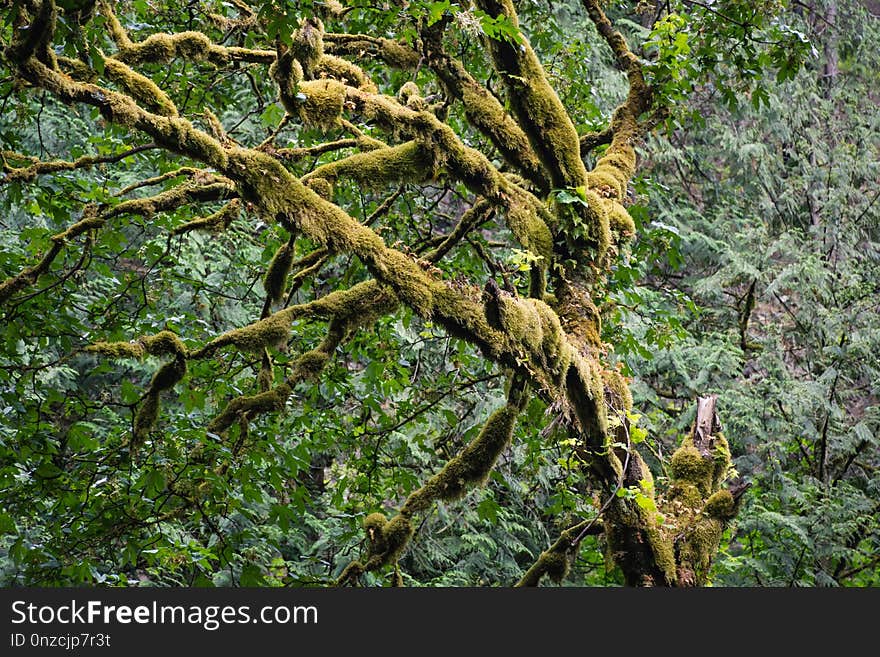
x=388 y=539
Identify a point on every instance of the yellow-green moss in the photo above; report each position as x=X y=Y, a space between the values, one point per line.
x=373 y=525
x=580 y=317
x=387 y=538
x=599 y=224
x=555 y=564
x=408 y=281
x=215 y=223
x=321 y=186
x=617 y=392
x=163 y=343
x=605 y=184
x=529 y=224
x=661 y=546
x=269 y=332
x=266 y=375
x=118 y=349
x=140 y=87
x=145 y=418
x=520 y=319
x=409 y=162
x=276 y=274
x=160 y=48
x=392 y=52
x=620 y=158
x=470 y=467
x=487 y=114
x=685 y=493
x=288 y=74
x=720 y=505
x=307 y=45
x=696 y=550
x=535 y=103
x=621 y=222
x=311 y=363
x=557 y=352
x=411 y=96
x=689 y=466
x=344 y=71
x=264 y=402
x=721 y=459
x=322 y=107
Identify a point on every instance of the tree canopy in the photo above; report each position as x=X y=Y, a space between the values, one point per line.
x=436 y=293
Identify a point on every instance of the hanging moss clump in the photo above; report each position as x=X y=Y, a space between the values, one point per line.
x=276 y=274
x=165 y=378
x=470 y=467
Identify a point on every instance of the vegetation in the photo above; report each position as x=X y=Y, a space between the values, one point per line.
x=439 y=293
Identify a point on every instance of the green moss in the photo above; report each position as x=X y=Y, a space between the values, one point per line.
x=534 y=102
x=269 y=332
x=557 y=352
x=486 y=113
x=685 y=493
x=617 y=392
x=266 y=375
x=344 y=71
x=700 y=544
x=662 y=547
x=621 y=222
x=311 y=363
x=398 y=55
x=408 y=281
x=555 y=564
x=215 y=223
x=163 y=343
x=529 y=224
x=322 y=107
x=410 y=162
x=145 y=418
x=373 y=525
x=287 y=73
x=411 y=96
x=321 y=186
x=521 y=320
x=396 y=533
x=605 y=184
x=470 y=467
x=720 y=505
x=689 y=466
x=721 y=460
x=160 y=48
x=620 y=157
x=276 y=274
x=264 y=402
x=599 y=224
x=118 y=349
x=167 y=376
x=140 y=87
x=307 y=45
x=387 y=539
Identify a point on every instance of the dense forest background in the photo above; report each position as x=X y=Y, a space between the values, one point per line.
x=753 y=276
